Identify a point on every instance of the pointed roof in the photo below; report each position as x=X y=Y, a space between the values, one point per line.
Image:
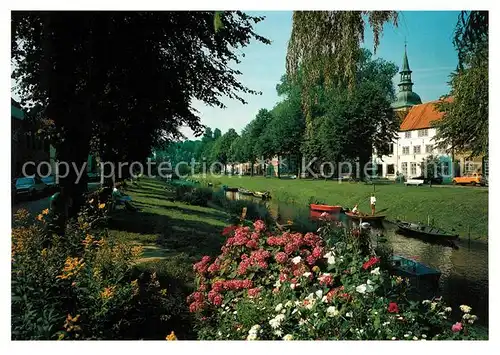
x=406 y=65
x=421 y=116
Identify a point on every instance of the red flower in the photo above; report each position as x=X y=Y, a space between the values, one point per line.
x=198 y=296
x=217 y=300
x=370 y=263
x=247 y=284
x=195 y=307
x=213 y=268
x=393 y=307
x=325 y=280
x=311 y=260
x=252 y=244
x=259 y=226
x=254 y=292
x=262 y=264
x=317 y=252
x=218 y=286
x=283 y=277
x=255 y=236
x=281 y=257
x=228 y=230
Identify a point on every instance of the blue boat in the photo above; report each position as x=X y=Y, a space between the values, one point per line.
x=412 y=269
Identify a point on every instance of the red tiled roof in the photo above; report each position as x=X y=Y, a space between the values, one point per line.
x=421 y=116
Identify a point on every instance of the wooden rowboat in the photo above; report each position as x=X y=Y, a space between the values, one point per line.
x=407 y=267
x=364 y=217
x=245 y=192
x=325 y=208
x=423 y=231
x=262 y=195
x=230 y=189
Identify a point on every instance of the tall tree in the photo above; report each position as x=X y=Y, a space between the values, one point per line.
x=464 y=127
x=127 y=78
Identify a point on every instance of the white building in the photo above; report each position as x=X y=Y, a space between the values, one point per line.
x=414 y=144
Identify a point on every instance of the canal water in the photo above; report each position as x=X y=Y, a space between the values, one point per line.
x=464 y=270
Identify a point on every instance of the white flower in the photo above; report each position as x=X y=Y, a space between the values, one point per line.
x=310 y=297
x=330 y=256
x=361 y=289
x=310 y=305
x=465 y=309
x=332 y=311
x=386 y=323
x=369 y=282
x=406 y=335
x=294 y=311
x=280 y=317
x=297 y=303
x=219 y=333
x=288 y=337
x=424 y=336
x=348 y=314
x=278 y=332
x=277 y=284
x=466 y=316
x=375 y=271
x=319 y=293
x=393 y=338
x=426 y=301
x=319 y=230
x=433 y=305
x=283 y=310
x=274 y=323
x=315 y=314
x=292 y=286
x=415 y=338
x=288 y=304
x=252 y=337
x=302 y=322
x=296 y=260
x=447 y=309
x=279 y=307
x=306 y=274
x=324 y=299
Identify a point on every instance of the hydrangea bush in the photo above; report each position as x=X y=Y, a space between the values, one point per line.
x=293 y=286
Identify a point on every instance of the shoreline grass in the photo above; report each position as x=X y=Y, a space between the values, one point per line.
x=450 y=208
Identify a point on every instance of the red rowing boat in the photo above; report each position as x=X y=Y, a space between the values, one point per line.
x=325 y=208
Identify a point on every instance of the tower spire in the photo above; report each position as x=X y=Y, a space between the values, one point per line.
x=406 y=97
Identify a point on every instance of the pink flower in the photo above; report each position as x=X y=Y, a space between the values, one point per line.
x=252 y=244
x=217 y=300
x=393 y=307
x=247 y=284
x=255 y=236
x=198 y=296
x=259 y=226
x=311 y=259
x=325 y=279
x=317 y=252
x=211 y=295
x=281 y=257
x=283 y=277
x=195 y=307
x=218 y=286
x=254 y=292
x=262 y=264
x=213 y=268
x=456 y=327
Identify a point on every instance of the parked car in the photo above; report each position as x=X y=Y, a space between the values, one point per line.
x=30 y=186
x=50 y=181
x=436 y=180
x=472 y=179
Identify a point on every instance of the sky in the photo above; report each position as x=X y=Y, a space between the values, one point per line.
x=431 y=56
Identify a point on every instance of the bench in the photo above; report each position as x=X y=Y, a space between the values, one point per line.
x=414 y=182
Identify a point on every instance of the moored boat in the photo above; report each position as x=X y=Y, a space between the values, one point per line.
x=325 y=208
x=407 y=267
x=230 y=189
x=261 y=194
x=424 y=231
x=364 y=217
x=245 y=192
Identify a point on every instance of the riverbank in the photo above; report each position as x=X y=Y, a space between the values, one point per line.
x=450 y=208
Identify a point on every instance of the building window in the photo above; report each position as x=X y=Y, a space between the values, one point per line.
x=445 y=168
x=413 y=167
x=407 y=134
x=428 y=148
x=391 y=148
x=423 y=133
x=406 y=150
x=390 y=169
x=404 y=168
x=416 y=149
x=469 y=167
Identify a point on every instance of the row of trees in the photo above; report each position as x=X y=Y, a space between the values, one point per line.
x=117 y=84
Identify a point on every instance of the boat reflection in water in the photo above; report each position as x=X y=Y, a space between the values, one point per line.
x=464 y=271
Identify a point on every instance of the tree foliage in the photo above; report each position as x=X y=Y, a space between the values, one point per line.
x=464 y=127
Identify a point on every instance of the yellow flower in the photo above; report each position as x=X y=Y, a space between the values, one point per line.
x=108 y=292
x=39 y=217
x=315 y=269
x=163 y=291
x=171 y=336
x=71 y=267
x=137 y=251
x=45 y=211
x=289 y=221
x=102 y=205
x=44 y=252
x=70 y=325
x=399 y=280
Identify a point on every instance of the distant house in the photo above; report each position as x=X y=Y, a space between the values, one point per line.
x=25 y=146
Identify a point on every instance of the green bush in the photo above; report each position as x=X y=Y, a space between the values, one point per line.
x=81 y=285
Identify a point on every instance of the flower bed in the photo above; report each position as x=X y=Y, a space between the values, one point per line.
x=295 y=286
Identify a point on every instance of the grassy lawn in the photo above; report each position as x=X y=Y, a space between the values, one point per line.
x=173 y=234
x=458 y=208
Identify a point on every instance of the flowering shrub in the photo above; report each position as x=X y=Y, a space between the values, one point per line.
x=79 y=286
x=295 y=286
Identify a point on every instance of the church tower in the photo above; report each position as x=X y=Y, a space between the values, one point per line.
x=405 y=98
